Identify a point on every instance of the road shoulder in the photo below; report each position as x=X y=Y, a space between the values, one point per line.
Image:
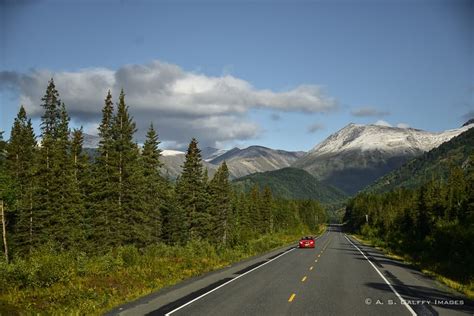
x=425 y=294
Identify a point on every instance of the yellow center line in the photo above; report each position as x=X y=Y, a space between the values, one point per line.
x=310 y=268
x=292 y=297
x=303 y=279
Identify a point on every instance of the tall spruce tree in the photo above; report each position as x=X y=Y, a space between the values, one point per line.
x=192 y=196
x=103 y=191
x=7 y=198
x=60 y=208
x=46 y=201
x=254 y=209
x=130 y=223
x=266 y=210
x=220 y=204
x=20 y=163
x=154 y=186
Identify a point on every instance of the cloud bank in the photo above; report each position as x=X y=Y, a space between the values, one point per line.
x=181 y=104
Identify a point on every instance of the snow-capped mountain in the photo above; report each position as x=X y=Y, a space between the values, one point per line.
x=356 y=155
x=169 y=152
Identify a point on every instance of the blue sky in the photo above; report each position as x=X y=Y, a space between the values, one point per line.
x=283 y=74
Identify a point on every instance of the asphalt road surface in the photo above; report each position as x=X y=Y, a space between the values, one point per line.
x=338 y=277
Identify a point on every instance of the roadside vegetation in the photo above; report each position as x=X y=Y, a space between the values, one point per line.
x=82 y=235
x=431 y=227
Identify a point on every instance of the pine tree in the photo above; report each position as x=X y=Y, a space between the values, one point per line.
x=20 y=164
x=45 y=195
x=191 y=194
x=266 y=210
x=154 y=183
x=7 y=198
x=60 y=209
x=80 y=160
x=220 y=204
x=103 y=191
x=254 y=209
x=129 y=222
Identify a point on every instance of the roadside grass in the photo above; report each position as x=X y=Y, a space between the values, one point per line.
x=51 y=282
x=466 y=289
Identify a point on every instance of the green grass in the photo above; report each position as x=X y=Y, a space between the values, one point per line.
x=466 y=289
x=49 y=282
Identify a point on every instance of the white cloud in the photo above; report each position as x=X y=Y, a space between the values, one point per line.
x=182 y=104
x=383 y=123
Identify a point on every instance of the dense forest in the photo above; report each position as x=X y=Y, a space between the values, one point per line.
x=433 y=225
x=70 y=220
x=292 y=183
x=54 y=193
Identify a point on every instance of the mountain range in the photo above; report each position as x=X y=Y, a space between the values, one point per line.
x=432 y=165
x=349 y=160
x=357 y=155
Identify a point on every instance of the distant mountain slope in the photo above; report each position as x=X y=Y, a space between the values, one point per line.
x=173 y=160
x=292 y=183
x=357 y=155
x=434 y=164
x=242 y=162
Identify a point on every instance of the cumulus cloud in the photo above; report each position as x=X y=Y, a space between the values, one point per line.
x=182 y=104
x=383 y=123
x=369 y=112
x=315 y=127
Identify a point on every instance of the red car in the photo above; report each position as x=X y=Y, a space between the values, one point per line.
x=306 y=242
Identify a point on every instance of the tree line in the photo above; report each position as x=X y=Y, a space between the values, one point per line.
x=51 y=191
x=433 y=224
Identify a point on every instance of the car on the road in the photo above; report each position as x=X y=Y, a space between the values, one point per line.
x=306 y=242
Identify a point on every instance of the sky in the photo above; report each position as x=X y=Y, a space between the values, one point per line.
x=281 y=74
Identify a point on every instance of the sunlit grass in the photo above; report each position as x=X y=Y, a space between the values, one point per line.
x=73 y=283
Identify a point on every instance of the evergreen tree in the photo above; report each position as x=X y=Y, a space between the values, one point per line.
x=20 y=164
x=129 y=223
x=154 y=183
x=103 y=191
x=220 y=204
x=254 y=209
x=60 y=209
x=191 y=195
x=80 y=160
x=267 y=210
x=45 y=198
x=7 y=198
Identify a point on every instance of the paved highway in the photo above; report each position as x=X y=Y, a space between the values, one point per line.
x=338 y=277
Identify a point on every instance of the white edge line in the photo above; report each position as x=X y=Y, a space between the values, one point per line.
x=237 y=277
x=402 y=300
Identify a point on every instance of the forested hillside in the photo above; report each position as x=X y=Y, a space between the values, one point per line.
x=432 y=224
x=292 y=183
x=62 y=209
x=435 y=164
